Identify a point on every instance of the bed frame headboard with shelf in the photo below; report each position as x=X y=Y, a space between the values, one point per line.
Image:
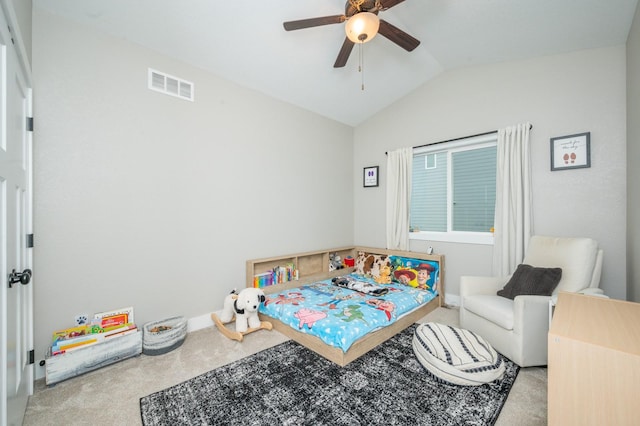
x=314 y=266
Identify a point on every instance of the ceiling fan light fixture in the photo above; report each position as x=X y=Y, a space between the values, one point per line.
x=362 y=27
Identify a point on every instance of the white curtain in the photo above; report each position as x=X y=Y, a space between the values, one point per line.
x=513 y=218
x=399 y=165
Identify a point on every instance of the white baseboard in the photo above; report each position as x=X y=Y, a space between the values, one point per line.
x=200 y=322
x=39 y=371
x=452 y=300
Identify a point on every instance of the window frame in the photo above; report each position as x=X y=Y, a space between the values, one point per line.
x=457 y=145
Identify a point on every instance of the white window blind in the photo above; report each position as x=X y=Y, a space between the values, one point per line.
x=474 y=189
x=454 y=189
x=429 y=193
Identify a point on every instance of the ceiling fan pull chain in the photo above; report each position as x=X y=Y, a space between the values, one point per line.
x=361 y=64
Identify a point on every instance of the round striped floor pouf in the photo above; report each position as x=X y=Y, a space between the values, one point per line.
x=455 y=355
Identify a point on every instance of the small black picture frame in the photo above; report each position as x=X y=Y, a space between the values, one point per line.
x=571 y=152
x=370 y=177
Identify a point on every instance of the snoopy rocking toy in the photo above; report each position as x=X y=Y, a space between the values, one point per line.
x=244 y=307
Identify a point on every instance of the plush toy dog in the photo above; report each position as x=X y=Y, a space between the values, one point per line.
x=244 y=306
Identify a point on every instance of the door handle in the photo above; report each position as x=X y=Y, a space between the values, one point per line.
x=19 y=277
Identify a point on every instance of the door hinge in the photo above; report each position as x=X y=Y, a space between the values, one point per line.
x=31 y=356
x=10 y=32
x=29 y=240
x=29 y=124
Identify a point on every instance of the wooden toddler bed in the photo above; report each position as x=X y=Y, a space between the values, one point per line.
x=314 y=267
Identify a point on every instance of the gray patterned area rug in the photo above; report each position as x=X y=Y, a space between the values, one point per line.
x=291 y=385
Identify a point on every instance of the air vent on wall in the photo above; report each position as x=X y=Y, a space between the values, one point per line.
x=170 y=85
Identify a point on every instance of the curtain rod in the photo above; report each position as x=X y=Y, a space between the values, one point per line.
x=457 y=139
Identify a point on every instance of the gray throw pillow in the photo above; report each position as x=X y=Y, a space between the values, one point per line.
x=530 y=280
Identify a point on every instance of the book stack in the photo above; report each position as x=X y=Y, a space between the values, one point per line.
x=284 y=273
x=105 y=325
x=277 y=275
x=262 y=280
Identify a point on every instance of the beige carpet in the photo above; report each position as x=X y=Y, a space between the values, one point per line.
x=110 y=396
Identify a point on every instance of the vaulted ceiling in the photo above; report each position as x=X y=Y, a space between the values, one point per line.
x=244 y=41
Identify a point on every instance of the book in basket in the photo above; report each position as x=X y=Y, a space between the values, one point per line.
x=116 y=317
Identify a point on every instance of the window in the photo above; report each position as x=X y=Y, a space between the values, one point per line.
x=454 y=190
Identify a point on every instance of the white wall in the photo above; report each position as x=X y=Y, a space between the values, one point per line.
x=147 y=200
x=633 y=154
x=560 y=95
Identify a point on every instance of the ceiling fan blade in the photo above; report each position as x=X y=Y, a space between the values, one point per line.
x=344 y=53
x=398 y=36
x=313 y=22
x=387 y=4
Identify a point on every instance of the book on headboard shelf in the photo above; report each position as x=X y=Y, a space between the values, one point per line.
x=277 y=275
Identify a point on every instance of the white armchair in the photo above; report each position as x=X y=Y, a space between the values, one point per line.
x=518 y=328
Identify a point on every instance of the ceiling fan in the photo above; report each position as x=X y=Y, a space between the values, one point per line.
x=362 y=25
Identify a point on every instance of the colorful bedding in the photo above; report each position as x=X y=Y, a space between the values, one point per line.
x=339 y=316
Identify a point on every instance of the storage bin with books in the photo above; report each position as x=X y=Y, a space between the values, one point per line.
x=109 y=337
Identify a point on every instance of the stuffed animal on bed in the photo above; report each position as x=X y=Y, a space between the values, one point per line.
x=385 y=275
x=244 y=306
x=335 y=262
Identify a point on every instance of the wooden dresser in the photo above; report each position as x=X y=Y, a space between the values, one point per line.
x=594 y=362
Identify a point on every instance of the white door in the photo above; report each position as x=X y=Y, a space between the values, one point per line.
x=16 y=330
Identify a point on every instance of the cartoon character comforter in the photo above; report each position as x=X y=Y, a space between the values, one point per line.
x=338 y=315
